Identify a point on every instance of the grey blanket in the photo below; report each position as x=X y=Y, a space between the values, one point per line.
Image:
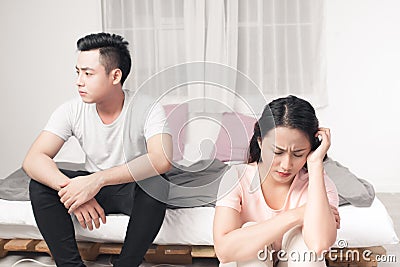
x=192 y=186
x=351 y=189
x=197 y=185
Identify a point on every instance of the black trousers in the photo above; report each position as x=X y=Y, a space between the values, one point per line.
x=56 y=226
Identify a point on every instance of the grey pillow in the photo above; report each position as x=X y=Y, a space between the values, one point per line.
x=351 y=189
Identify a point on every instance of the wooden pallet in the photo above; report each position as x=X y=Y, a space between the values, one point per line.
x=173 y=254
x=181 y=254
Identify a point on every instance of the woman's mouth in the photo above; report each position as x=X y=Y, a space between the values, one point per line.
x=283 y=174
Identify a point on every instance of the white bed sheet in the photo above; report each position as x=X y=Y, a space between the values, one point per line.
x=360 y=227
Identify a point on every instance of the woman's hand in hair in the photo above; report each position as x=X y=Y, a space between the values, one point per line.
x=317 y=156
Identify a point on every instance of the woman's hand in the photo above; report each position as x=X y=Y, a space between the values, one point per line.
x=335 y=213
x=299 y=214
x=318 y=155
x=79 y=190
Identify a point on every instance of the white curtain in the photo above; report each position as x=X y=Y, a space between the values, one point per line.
x=277 y=44
x=281 y=47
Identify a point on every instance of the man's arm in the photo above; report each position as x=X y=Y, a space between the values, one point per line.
x=157 y=161
x=39 y=164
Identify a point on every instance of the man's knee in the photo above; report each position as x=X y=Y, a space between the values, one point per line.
x=156 y=188
x=35 y=189
x=149 y=199
x=39 y=193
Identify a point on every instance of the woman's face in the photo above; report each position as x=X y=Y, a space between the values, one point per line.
x=286 y=156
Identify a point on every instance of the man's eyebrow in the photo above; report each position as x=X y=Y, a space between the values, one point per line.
x=83 y=68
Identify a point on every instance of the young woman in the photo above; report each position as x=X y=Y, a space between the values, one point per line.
x=280 y=207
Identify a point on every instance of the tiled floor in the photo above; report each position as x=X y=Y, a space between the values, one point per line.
x=391 y=201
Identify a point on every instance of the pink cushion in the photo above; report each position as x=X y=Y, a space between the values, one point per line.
x=234 y=137
x=177 y=116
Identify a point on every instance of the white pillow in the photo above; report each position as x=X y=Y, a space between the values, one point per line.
x=365 y=227
x=360 y=227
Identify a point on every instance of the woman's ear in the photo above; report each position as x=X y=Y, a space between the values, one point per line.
x=116 y=76
x=259 y=142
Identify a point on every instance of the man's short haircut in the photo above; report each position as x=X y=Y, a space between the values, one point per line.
x=113 y=51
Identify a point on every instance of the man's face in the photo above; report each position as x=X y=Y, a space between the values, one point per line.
x=94 y=84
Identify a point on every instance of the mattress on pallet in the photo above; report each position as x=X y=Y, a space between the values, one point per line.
x=360 y=227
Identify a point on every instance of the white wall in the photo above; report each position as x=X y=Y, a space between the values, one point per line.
x=37 y=73
x=363 y=40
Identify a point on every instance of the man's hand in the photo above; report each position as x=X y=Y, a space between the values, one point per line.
x=79 y=190
x=89 y=213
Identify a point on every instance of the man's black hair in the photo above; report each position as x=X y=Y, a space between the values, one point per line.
x=113 y=51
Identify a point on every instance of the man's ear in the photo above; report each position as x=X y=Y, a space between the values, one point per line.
x=116 y=75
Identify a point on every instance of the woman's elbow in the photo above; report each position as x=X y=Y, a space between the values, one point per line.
x=322 y=245
x=222 y=254
x=320 y=249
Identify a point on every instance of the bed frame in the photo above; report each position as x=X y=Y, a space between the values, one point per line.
x=183 y=254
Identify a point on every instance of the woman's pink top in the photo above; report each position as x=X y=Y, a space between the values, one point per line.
x=240 y=189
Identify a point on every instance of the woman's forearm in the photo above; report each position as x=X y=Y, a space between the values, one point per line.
x=319 y=228
x=244 y=243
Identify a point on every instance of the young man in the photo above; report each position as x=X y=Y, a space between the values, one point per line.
x=125 y=141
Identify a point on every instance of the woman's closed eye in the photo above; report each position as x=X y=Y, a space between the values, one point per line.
x=278 y=152
x=297 y=155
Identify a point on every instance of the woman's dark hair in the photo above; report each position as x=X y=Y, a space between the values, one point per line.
x=113 y=51
x=291 y=112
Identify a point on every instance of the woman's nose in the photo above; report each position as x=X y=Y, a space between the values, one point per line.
x=286 y=162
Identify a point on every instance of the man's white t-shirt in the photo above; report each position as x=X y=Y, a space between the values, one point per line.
x=109 y=145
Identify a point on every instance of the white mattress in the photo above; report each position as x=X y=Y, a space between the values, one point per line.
x=360 y=227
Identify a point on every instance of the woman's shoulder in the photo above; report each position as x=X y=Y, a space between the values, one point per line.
x=235 y=184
